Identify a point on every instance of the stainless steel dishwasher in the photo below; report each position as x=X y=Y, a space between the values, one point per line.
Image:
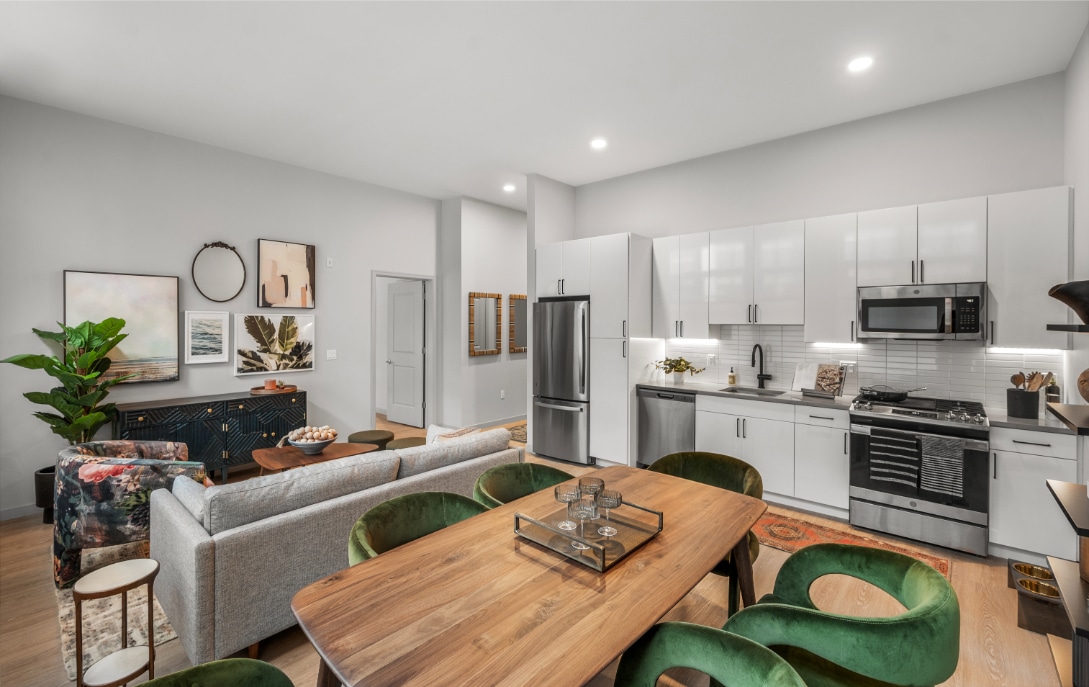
x=667 y=423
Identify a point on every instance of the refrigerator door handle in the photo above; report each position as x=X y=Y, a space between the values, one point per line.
x=550 y=406
x=582 y=353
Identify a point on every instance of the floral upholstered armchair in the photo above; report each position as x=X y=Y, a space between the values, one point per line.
x=102 y=495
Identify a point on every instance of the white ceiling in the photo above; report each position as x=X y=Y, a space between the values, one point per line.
x=457 y=98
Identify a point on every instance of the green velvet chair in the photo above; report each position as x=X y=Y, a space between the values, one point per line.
x=918 y=647
x=725 y=472
x=230 y=672
x=729 y=659
x=505 y=483
x=406 y=518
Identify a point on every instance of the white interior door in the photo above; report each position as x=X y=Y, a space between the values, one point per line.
x=405 y=356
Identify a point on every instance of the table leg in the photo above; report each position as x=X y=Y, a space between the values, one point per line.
x=326 y=677
x=743 y=566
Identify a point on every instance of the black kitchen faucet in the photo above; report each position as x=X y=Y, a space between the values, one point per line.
x=760 y=376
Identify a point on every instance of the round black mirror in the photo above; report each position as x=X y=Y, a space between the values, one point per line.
x=218 y=272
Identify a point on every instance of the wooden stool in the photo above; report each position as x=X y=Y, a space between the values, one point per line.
x=378 y=437
x=121 y=666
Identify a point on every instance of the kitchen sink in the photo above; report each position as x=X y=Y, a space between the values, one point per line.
x=752 y=390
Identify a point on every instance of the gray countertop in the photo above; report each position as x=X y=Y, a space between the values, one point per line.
x=996 y=417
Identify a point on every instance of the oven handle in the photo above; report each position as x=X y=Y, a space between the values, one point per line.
x=969 y=444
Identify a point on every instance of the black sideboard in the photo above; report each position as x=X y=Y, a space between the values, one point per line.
x=221 y=431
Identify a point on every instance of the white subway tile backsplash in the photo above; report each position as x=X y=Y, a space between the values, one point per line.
x=948 y=369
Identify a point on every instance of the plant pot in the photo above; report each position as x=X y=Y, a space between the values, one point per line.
x=44 y=488
x=1023 y=404
x=678 y=378
x=1076 y=296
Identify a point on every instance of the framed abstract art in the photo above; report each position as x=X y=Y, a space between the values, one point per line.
x=286 y=274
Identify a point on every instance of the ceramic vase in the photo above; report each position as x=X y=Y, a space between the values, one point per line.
x=678 y=378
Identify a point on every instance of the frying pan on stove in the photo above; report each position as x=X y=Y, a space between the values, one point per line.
x=886 y=394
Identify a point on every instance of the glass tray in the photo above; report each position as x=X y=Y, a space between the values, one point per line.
x=635 y=525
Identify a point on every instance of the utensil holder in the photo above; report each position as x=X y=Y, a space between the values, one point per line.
x=1023 y=404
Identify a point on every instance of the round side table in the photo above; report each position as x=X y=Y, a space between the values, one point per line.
x=125 y=664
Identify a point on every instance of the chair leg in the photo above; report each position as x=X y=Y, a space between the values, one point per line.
x=735 y=596
x=253 y=649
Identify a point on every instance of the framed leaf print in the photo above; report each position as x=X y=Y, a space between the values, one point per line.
x=273 y=343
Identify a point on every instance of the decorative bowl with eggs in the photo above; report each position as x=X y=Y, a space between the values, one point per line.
x=312 y=440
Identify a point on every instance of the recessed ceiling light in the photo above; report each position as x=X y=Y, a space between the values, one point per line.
x=509 y=188
x=860 y=64
x=598 y=143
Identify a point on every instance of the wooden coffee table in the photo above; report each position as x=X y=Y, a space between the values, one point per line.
x=287 y=457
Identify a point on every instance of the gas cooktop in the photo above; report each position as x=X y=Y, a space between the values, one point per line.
x=929 y=410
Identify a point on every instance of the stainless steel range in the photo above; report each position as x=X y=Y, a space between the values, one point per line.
x=919 y=469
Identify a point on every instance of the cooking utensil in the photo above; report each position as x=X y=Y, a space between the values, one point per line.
x=886 y=394
x=1017 y=379
x=1034 y=382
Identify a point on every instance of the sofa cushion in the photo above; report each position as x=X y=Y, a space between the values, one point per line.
x=420 y=459
x=232 y=505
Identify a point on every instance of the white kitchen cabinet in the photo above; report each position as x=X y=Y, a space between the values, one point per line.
x=609 y=399
x=822 y=461
x=563 y=269
x=953 y=241
x=620 y=286
x=759 y=433
x=1028 y=248
x=679 y=287
x=1023 y=513
x=887 y=246
x=830 y=282
x=757 y=274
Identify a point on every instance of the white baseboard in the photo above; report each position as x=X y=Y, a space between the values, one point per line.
x=19 y=511
x=496 y=423
x=808 y=506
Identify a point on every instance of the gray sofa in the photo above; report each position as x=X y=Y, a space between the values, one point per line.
x=232 y=557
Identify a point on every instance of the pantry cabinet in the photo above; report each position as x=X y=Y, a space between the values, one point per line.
x=830 y=282
x=1029 y=235
x=761 y=434
x=757 y=274
x=563 y=269
x=620 y=286
x=679 y=287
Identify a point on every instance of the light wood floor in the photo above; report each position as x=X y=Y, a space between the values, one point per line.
x=993 y=650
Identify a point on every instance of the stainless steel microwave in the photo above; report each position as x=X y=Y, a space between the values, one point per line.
x=922 y=311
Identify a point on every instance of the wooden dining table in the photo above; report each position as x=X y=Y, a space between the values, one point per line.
x=476 y=604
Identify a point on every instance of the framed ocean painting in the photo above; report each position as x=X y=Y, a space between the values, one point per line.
x=149 y=306
x=285 y=274
x=207 y=336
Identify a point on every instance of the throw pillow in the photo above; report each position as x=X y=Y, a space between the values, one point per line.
x=464 y=431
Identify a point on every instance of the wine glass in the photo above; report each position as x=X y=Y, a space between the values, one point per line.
x=608 y=498
x=567 y=493
x=583 y=509
x=591 y=485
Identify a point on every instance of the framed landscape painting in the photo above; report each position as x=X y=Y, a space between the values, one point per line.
x=149 y=306
x=273 y=343
x=285 y=274
x=207 y=336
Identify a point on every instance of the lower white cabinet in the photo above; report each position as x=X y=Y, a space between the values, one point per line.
x=736 y=428
x=1024 y=514
x=609 y=400
x=822 y=462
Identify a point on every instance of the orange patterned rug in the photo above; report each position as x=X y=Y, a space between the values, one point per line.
x=789 y=534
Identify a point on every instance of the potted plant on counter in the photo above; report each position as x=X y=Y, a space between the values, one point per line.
x=677 y=367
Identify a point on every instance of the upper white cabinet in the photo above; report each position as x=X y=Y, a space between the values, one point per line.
x=935 y=243
x=887 y=246
x=1029 y=235
x=953 y=241
x=757 y=274
x=619 y=286
x=679 y=287
x=563 y=269
x=830 y=253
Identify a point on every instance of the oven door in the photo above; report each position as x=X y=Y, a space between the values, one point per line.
x=932 y=473
x=913 y=312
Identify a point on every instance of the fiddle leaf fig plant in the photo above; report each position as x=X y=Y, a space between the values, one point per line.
x=80 y=412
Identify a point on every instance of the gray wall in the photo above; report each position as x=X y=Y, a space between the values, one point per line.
x=1077 y=175
x=1003 y=139
x=82 y=193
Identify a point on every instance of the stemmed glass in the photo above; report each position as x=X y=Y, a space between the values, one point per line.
x=583 y=509
x=591 y=485
x=567 y=493
x=608 y=498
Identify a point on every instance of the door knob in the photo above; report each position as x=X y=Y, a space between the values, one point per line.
x=389 y=362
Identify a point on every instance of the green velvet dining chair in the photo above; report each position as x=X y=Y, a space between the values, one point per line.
x=229 y=672
x=728 y=659
x=916 y=648
x=505 y=483
x=407 y=518
x=724 y=472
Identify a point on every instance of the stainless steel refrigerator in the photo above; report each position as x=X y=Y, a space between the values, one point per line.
x=561 y=380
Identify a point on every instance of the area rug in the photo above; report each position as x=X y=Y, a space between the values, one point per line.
x=102 y=617
x=790 y=534
x=518 y=433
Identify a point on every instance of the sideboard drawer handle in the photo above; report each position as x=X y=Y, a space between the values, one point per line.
x=294 y=399
x=140 y=419
x=274 y=434
x=209 y=410
x=265 y=435
x=241 y=406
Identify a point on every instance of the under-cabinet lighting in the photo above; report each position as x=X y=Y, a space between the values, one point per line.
x=694 y=342
x=1026 y=351
x=598 y=144
x=860 y=64
x=821 y=344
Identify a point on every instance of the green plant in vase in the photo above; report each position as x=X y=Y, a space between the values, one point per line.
x=78 y=401
x=677 y=367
